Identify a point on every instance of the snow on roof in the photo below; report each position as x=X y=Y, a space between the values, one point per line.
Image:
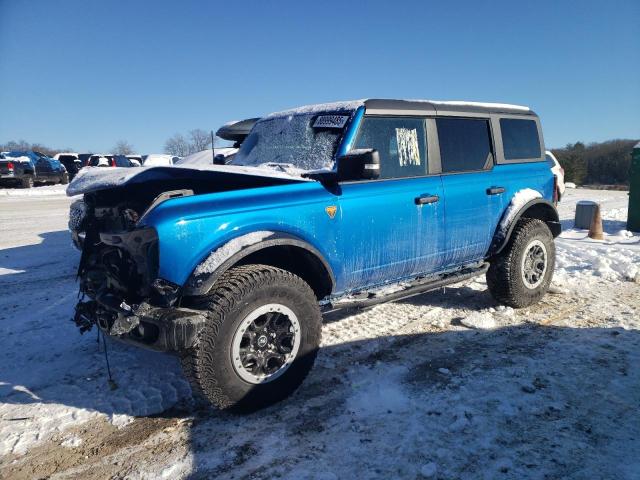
x=352 y=105
x=637 y=145
x=457 y=103
x=21 y=158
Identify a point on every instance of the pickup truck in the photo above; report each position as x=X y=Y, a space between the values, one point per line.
x=17 y=169
x=323 y=207
x=26 y=168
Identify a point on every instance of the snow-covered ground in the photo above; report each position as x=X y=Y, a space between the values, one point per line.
x=437 y=386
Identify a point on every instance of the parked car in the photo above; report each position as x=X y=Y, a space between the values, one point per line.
x=558 y=171
x=71 y=162
x=160 y=160
x=101 y=160
x=17 y=169
x=324 y=207
x=27 y=168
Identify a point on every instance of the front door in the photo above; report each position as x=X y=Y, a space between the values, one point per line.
x=393 y=227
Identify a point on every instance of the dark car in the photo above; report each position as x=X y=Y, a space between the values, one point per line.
x=49 y=170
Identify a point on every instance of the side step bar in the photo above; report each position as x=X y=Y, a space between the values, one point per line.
x=417 y=288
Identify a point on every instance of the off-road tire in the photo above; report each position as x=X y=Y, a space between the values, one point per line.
x=26 y=182
x=505 y=278
x=241 y=290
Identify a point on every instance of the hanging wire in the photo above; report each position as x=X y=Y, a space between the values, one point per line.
x=112 y=384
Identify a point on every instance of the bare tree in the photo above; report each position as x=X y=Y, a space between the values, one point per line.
x=177 y=145
x=123 y=148
x=200 y=140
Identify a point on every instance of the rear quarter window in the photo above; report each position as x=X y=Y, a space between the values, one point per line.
x=520 y=139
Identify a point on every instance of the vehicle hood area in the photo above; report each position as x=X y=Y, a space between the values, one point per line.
x=201 y=179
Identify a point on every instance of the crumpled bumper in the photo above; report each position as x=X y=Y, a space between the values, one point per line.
x=161 y=329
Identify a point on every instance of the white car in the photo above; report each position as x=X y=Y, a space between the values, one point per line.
x=160 y=160
x=558 y=171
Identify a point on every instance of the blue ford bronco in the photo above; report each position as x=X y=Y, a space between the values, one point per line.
x=323 y=207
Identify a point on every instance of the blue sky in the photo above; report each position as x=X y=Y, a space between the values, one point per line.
x=84 y=74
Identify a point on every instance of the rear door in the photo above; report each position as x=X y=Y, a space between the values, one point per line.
x=393 y=227
x=472 y=189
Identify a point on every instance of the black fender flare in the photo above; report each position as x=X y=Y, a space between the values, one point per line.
x=200 y=284
x=536 y=208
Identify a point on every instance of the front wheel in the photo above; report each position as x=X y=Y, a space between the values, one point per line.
x=64 y=179
x=520 y=275
x=260 y=339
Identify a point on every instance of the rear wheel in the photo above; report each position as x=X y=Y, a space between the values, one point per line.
x=27 y=182
x=260 y=339
x=520 y=275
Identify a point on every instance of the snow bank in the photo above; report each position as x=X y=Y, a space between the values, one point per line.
x=616 y=258
x=44 y=190
x=569 y=185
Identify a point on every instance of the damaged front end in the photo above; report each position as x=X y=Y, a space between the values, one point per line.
x=120 y=291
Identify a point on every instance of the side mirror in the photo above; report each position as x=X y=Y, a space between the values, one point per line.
x=219 y=159
x=362 y=164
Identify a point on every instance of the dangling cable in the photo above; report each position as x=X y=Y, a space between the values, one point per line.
x=112 y=384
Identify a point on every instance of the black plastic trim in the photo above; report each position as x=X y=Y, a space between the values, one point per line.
x=202 y=284
x=499 y=241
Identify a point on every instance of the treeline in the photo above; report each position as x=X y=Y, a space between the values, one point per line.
x=605 y=163
x=182 y=145
x=122 y=147
x=22 y=146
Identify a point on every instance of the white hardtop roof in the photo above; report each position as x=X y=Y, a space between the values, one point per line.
x=416 y=106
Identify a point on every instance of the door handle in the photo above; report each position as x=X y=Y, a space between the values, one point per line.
x=426 y=198
x=495 y=190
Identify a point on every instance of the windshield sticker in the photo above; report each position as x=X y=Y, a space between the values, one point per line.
x=331 y=121
x=408 y=151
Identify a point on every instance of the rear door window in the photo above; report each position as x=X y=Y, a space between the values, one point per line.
x=465 y=144
x=401 y=143
x=520 y=139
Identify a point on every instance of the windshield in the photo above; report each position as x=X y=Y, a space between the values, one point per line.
x=290 y=143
